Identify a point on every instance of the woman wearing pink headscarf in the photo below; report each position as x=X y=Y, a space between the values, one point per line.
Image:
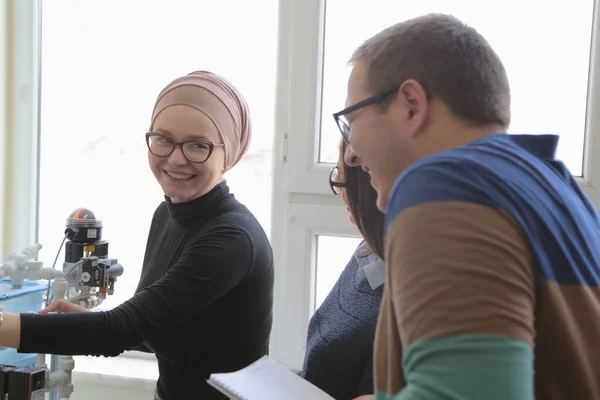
x=204 y=300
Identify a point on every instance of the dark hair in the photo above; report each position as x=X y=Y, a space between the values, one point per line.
x=448 y=58
x=362 y=199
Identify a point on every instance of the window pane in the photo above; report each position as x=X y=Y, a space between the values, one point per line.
x=104 y=63
x=333 y=253
x=541 y=45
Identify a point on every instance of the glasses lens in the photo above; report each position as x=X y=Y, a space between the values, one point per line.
x=335 y=175
x=197 y=151
x=160 y=146
x=344 y=128
x=334 y=181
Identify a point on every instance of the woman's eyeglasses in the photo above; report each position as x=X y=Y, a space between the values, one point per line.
x=334 y=181
x=196 y=151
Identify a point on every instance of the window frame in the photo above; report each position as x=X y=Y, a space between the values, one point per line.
x=295 y=275
x=4 y=80
x=302 y=29
x=589 y=182
x=302 y=203
x=303 y=44
x=20 y=182
x=22 y=116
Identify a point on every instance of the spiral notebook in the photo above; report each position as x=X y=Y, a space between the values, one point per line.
x=266 y=379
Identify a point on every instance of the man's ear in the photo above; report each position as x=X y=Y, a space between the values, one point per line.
x=414 y=104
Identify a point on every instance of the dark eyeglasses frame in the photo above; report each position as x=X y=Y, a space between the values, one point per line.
x=378 y=98
x=334 y=184
x=176 y=144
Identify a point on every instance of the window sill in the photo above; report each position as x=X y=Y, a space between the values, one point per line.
x=122 y=371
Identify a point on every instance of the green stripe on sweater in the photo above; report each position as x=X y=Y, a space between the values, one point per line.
x=467 y=367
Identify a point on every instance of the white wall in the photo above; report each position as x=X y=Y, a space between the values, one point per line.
x=107 y=392
x=95 y=387
x=120 y=378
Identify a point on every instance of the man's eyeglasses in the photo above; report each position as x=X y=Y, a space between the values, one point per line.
x=334 y=181
x=196 y=151
x=343 y=123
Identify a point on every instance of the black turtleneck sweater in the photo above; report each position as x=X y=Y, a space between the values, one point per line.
x=203 y=304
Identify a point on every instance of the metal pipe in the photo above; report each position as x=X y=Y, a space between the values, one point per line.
x=53 y=394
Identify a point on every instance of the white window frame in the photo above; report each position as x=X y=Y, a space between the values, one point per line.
x=303 y=204
x=302 y=25
x=301 y=48
x=4 y=79
x=302 y=200
x=21 y=177
x=590 y=181
x=22 y=133
x=295 y=272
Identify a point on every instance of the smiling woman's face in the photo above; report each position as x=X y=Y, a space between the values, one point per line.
x=180 y=179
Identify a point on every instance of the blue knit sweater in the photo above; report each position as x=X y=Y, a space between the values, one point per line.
x=339 y=349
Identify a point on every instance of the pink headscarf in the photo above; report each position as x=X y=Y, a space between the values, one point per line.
x=220 y=101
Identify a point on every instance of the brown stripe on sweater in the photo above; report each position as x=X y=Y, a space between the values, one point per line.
x=387 y=360
x=567 y=351
x=459 y=268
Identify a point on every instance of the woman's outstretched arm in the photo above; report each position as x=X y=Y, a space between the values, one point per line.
x=211 y=266
x=10 y=330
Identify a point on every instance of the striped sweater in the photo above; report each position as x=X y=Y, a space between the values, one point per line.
x=492 y=280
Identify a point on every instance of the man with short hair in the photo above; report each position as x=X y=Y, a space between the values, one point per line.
x=493 y=251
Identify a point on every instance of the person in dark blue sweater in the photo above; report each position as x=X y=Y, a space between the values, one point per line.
x=339 y=348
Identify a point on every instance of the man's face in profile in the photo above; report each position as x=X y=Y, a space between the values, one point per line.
x=375 y=138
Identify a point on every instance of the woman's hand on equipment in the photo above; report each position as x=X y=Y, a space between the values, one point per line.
x=62 y=305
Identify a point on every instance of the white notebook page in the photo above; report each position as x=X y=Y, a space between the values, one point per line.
x=266 y=379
